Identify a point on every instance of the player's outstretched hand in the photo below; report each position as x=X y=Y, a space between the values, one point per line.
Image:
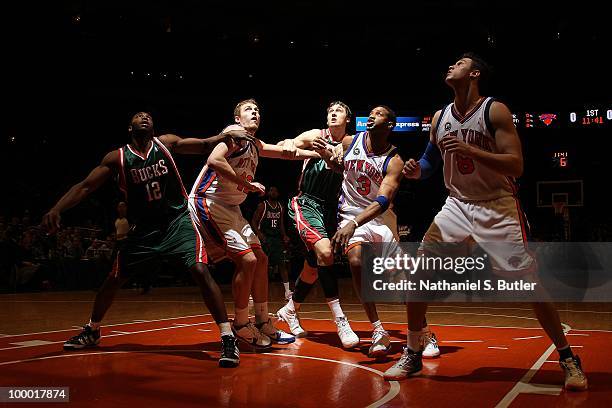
x=342 y=236
x=255 y=187
x=289 y=149
x=237 y=136
x=319 y=144
x=51 y=221
x=412 y=169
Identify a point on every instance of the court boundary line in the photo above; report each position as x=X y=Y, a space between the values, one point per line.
x=455 y=313
x=394 y=387
x=113 y=335
x=139 y=321
x=523 y=383
x=305 y=303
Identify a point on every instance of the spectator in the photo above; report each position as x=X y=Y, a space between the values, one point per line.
x=97 y=250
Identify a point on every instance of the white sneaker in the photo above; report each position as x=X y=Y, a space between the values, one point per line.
x=575 y=380
x=250 y=335
x=381 y=344
x=347 y=336
x=430 y=345
x=291 y=317
x=409 y=364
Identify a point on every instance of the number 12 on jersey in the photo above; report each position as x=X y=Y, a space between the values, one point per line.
x=153 y=191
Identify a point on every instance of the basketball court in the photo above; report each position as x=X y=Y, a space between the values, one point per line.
x=500 y=139
x=162 y=350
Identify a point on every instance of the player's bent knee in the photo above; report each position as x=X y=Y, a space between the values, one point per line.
x=325 y=256
x=200 y=269
x=354 y=258
x=260 y=255
x=247 y=261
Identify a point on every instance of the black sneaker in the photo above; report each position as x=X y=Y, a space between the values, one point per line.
x=87 y=338
x=230 y=355
x=410 y=363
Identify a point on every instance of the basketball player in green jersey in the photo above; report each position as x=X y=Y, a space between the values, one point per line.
x=313 y=212
x=269 y=226
x=162 y=227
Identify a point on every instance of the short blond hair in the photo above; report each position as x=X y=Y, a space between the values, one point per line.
x=242 y=103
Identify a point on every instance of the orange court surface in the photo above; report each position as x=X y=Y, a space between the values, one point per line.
x=161 y=349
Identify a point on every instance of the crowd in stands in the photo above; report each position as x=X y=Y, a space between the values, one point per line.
x=30 y=259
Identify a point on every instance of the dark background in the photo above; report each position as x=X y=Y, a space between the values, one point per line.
x=74 y=74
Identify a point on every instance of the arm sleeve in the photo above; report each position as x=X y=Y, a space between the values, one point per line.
x=430 y=160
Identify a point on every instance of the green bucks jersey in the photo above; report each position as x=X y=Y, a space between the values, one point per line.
x=318 y=180
x=269 y=223
x=152 y=186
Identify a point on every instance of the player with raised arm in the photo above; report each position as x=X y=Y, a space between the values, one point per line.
x=313 y=213
x=161 y=224
x=222 y=185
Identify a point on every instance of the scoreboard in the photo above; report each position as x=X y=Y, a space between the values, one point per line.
x=591 y=117
x=560 y=156
x=588 y=116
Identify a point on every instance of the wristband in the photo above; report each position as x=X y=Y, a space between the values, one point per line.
x=383 y=202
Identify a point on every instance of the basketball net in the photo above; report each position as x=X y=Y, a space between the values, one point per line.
x=559 y=207
x=562 y=210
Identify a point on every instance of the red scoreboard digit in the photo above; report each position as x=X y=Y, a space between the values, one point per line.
x=591 y=117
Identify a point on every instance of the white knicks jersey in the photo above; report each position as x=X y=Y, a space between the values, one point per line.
x=211 y=185
x=468 y=179
x=363 y=175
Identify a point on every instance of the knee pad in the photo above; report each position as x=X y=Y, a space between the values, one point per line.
x=301 y=291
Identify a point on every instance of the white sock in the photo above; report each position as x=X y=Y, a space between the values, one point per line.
x=334 y=306
x=94 y=325
x=241 y=316
x=287 y=290
x=225 y=329
x=414 y=340
x=261 y=312
x=293 y=305
x=377 y=325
